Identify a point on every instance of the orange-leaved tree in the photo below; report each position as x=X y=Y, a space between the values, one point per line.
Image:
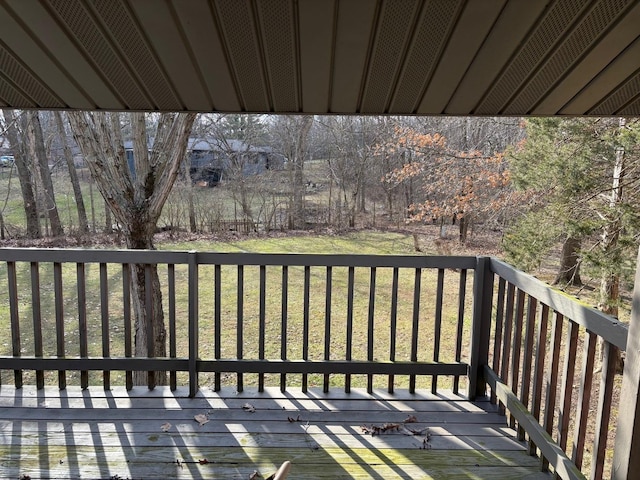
x=455 y=185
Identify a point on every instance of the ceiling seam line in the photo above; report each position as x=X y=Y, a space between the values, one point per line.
x=89 y=58
x=367 y=62
x=628 y=78
x=438 y=58
x=53 y=60
x=607 y=31
x=513 y=56
x=410 y=39
x=227 y=55
x=191 y=53
x=155 y=57
x=475 y=56
x=297 y=56
x=553 y=49
x=332 y=70
x=262 y=57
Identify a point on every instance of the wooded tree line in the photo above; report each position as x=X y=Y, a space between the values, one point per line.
x=541 y=183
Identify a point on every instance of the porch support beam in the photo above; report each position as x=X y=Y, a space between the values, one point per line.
x=626 y=458
x=481 y=327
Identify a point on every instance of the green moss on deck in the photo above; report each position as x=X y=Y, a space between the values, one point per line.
x=72 y=462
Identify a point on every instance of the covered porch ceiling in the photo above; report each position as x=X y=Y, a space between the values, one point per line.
x=452 y=57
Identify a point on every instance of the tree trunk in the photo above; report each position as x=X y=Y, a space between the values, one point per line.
x=36 y=143
x=463 y=229
x=149 y=329
x=569 y=271
x=73 y=175
x=193 y=226
x=108 y=222
x=610 y=278
x=24 y=175
x=297 y=164
x=136 y=200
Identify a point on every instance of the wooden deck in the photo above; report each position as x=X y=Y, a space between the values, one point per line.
x=119 y=434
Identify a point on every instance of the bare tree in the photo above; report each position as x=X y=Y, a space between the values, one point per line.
x=291 y=135
x=136 y=197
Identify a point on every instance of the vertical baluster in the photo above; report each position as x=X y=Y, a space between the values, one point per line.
x=82 y=320
x=437 y=329
x=462 y=288
x=414 y=329
x=506 y=339
x=516 y=348
x=305 y=323
x=327 y=327
x=584 y=398
x=128 y=331
x=551 y=380
x=567 y=384
x=371 y=325
x=173 y=350
x=149 y=313
x=349 y=339
x=36 y=311
x=59 y=313
x=497 y=336
x=15 y=319
x=104 y=317
x=217 y=323
x=538 y=374
x=262 y=322
x=609 y=360
x=393 y=325
x=284 y=324
x=528 y=355
x=194 y=329
x=239 y=325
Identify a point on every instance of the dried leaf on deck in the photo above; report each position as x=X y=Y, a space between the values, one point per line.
x=292 y=420
x=165 y=427
x=249 y=408
x=201 y=418
x=254 y=475
x=410 y=419
x=374 y=430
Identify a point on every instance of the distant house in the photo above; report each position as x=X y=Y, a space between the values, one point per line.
x=210 y=161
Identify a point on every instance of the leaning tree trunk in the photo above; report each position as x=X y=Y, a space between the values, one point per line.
x=569 y=271
x=36 y=142
x=83 y=225
x=24 y=175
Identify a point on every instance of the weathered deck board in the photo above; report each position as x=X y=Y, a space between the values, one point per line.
x=117 y=434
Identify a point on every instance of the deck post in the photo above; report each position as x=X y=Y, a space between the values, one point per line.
x=626 y=456
x=481 y=327
x=193 y=323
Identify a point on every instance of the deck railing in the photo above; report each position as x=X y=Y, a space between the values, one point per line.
x=336 y=321
x=542 y=364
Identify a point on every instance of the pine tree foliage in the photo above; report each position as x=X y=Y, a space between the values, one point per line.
x=566 y=168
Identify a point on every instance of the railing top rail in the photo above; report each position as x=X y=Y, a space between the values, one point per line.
x=592 y=319
x=78 y=255
x=337 y=260
x=215 y=258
